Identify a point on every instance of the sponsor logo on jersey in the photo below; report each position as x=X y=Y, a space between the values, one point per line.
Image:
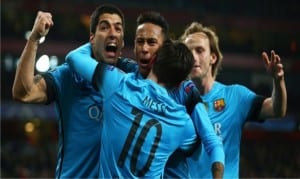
x=95 y=112
x=219 y=104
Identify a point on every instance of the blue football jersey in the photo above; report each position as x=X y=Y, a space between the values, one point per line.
x=79 y=109
x=177 y=166
x=184 y=95
x=228 y=109
x=144 y=116
x=149 y=125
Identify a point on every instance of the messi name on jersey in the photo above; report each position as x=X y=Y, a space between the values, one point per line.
x=153 y=105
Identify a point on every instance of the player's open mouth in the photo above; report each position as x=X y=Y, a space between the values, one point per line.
x=111 y=47
x=144 y=62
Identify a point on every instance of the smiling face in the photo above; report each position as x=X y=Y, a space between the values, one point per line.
x=148 y=39
x=198 y=43
x=108 y=39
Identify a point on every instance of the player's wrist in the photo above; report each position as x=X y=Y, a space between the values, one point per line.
x=34 y=37
x=217 y=170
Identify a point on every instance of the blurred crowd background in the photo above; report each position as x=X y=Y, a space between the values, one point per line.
x=245 y=29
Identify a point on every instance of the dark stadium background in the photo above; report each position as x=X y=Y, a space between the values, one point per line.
x=245 y=29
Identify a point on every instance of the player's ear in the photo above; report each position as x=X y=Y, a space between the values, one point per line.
x=92 y=36
x=213 y=58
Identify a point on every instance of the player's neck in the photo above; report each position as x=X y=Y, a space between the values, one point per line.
x=153 y=77
x=205 y=84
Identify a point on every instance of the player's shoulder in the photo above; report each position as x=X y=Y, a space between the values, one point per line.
x=62 y=74
x=127 y=64
x=175 y=109
x=231 y=87
x=239 y=88
x=187 y=84
x=126 y=60
x=59 y=70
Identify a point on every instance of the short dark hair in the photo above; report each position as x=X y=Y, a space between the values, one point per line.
x=102 y=9
x=173 y=64
x=154 y=18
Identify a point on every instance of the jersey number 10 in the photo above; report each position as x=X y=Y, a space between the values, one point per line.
x=139 y=142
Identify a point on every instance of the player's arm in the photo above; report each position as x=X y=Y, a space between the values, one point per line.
x=211 y=142
x=275 y=106
x=28 y=87
x=82 y=62
x=192 y=97
x=127 y=65
x=217 y=170
x=102 y=76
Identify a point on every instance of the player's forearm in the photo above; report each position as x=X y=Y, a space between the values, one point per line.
x=217 y=170
x=24 y=78
x=279 y=97
x=82 y=63
x=217 y=156
x=212 y=143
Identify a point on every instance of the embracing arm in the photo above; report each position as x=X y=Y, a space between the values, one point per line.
x=28 y=87
x=217 y=170
x=97 y=73
x=82 y=62
x=211 y=142
x=275 y=106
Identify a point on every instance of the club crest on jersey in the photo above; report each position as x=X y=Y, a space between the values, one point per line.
x=219 y=104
